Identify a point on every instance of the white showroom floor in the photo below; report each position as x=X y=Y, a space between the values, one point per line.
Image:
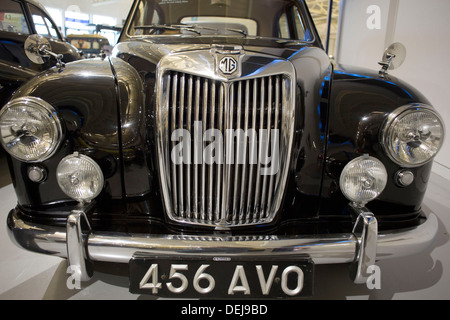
x=26 y=275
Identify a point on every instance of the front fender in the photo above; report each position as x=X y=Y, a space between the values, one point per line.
x=360 y=102
x=85 y=96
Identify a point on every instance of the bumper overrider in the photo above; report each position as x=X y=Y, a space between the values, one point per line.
x=362 y=248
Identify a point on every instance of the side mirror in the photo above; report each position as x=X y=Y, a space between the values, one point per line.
x=393 y=58
x=38 y=49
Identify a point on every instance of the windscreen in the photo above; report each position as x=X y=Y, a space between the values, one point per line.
x=245 y=18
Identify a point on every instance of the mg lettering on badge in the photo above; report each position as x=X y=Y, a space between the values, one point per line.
x=228 y=65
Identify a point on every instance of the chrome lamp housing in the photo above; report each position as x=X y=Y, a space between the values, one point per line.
x=80 y=177
x=363 y=179
x=30 y=128
x=412 y=135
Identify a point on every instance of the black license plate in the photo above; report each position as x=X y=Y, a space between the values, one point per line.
x=221 y=277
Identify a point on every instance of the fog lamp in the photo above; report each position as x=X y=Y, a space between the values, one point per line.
x=80 y=177
x=363 y=179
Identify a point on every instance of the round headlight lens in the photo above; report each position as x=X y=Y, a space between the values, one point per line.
x=80 y=177
x=363 y=179
x=413 y=135
x=30 y=129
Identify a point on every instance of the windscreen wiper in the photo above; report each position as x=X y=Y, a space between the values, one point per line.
x=167 y=27
x=191 y=28
x=194 y=26
x=238 y=30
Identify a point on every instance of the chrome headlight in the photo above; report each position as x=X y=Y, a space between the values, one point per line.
x=413 y=135
x=80 y=177
x=30 y=130
x=363 y=179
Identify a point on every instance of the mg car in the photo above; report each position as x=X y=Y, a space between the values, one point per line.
x=219 y=153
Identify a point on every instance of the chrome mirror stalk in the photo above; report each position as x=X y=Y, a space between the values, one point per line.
x=37 y=48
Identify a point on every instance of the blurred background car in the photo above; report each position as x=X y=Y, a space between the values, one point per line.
x=18 y=20
x=91 y=45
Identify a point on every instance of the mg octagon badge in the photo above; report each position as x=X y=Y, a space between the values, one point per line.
x=228 y=65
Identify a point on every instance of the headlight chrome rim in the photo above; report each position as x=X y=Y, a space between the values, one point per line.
x=51 y=114
x=394 y=118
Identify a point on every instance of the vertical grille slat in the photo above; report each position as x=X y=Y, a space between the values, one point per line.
x=173 y=127
x=180 y=180
x=203 y=173
x=244 y=184
x=260 y=151
x=267 y=147
x=211 y=165
x=220 y=157
x=275 y=124
x=238 y=155
x=189 y=129
x=195 y=208
x=229 y=111
x=252 y=153
x=226 y=187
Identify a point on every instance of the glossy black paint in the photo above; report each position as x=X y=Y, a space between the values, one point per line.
x=84 y=95
x=361 y=102
x=12 y=76
x=108 y=108
x=133 y=134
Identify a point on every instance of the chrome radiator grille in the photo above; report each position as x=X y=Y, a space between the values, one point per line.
x=232 y=192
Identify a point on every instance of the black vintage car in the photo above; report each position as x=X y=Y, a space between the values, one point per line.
x=219 y=153
x=18 y=20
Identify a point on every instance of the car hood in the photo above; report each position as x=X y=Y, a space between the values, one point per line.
x=154 y=48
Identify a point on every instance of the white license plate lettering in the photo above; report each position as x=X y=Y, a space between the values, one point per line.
x=266 y=285
x=204 y=283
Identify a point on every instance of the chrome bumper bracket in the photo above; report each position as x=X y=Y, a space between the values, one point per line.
x=366 y=232
x=78 y=229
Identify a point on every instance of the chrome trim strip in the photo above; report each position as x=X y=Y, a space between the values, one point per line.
x=120 y=247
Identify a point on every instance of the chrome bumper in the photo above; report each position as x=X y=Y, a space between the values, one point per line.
x=362 y=247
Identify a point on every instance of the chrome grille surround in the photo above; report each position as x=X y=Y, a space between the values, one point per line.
x=190 y=89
